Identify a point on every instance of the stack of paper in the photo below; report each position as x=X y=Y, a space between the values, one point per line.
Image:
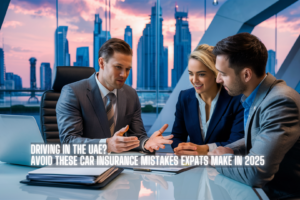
x=85 y=178
x=71 y=175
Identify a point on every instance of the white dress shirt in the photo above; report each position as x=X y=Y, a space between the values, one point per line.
x=202 y=117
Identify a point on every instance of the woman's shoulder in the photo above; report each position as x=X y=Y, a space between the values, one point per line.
x=187 y=93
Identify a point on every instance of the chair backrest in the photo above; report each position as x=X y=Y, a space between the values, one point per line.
x=63 y=76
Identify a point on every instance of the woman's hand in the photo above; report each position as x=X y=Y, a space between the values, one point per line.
x=191 y=149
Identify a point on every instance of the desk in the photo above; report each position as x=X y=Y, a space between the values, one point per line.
x=197 y=183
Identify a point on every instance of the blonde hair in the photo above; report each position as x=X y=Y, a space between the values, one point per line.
x=204 y=54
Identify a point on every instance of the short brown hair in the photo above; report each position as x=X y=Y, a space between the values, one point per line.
x=114 y=45
x=243 y=50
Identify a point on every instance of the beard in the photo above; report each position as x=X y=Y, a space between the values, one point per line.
x=236 y=88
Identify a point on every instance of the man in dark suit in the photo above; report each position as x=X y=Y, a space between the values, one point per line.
x=100 y=108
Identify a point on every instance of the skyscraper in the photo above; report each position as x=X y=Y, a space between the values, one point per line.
x=62 y=56
x=18 y=82
x=147 y=56
x=271 y=62
x=9 y=81
x=45 y=76
x=9 y=76
x=99 y=39
x=2 y=68
x=82 y=57
x=32 y=73
x=182 y=45
x=128 y=39
x=12 y=81
x=164 y=78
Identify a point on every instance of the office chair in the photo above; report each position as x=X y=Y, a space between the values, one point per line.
x=63 y=76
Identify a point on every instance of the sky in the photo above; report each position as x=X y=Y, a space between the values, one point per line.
x=29 y=26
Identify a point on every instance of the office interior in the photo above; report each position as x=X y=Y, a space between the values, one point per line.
x=39 y=36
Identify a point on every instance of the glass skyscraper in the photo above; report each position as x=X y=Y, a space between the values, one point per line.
x=271 y=62
x=99 y=39
x=9 y=81
x=2 y=68
x=146 y=54
x=82 y=57
x=45 y=76
x=62 y=56
x=17 y=80
x=128 y=39
x=182 y=46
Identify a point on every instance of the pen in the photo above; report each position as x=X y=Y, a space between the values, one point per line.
x=140 y=169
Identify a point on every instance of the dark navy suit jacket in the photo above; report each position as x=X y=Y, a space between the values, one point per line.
x=226 y=124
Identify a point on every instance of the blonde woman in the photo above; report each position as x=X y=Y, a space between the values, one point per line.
x=205 y=113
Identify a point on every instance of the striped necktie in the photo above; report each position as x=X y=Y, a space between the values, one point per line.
x=109 y=108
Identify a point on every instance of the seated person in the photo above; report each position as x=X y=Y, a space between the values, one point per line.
x=205 y=113
x=272 y=113
x=93 y=109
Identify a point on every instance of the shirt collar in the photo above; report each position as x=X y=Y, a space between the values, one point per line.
x=247 y=101
x=103 y=89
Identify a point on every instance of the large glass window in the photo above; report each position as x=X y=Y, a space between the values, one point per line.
x=26 y=56
x=88 y=24
x=32 y=44
x=279 y=34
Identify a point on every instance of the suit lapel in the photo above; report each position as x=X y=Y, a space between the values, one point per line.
x=121 y=108
x=220 y=108
x=262 y=92
x=194 y=116
x=95 y=98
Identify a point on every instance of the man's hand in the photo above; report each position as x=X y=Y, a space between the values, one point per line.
x=157 y=141
x=191 y=149
x=117 y=143
x=220 y=151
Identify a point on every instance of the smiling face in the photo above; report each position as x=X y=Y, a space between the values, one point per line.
x=201 y=77
x=114 y=73
x=227 y=76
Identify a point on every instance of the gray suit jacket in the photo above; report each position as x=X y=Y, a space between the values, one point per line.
x=81 y=115
x=272 y=131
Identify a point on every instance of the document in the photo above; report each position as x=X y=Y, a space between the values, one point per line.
x=71 y=175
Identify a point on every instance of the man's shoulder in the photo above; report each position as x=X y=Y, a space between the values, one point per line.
x=129 y=90
x=282 y=92
x=78 y=85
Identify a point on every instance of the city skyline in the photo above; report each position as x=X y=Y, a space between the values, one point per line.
x=23 y=40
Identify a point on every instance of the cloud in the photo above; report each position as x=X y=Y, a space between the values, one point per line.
x=12 y=24
x=36 y=8
x=283 y=24
x=9 y=48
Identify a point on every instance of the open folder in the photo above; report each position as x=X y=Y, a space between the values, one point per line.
x=87 y=178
